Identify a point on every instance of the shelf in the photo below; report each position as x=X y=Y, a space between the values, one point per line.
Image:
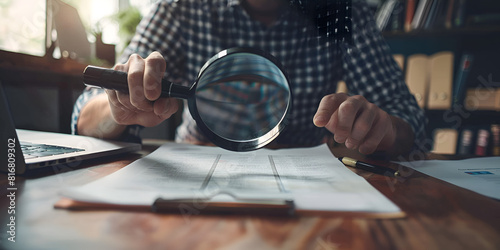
x=448 y=118
x=491 y=30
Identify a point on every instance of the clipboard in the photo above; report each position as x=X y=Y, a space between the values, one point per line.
x=269 y=207
x=275 y=207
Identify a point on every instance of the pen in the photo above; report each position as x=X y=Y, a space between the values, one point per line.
x=369 y=167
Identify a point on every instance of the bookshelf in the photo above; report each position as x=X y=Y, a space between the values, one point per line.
x=459 y=33
x=481 y=40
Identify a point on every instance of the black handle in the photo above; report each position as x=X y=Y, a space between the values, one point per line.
x=117 y=80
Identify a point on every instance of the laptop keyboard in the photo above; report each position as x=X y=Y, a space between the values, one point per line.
x=32 y=150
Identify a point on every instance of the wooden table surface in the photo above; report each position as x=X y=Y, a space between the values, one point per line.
x=439 y=216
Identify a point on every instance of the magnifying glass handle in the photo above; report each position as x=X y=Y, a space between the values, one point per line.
x=117 y=80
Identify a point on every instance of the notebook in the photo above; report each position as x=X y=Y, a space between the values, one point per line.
x=27 y=151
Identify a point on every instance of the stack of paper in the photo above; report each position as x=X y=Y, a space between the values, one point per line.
x=312 y=177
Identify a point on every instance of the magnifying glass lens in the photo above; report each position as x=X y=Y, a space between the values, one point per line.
x=242 y=96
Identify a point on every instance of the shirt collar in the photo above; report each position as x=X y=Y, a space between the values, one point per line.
x=281 y=19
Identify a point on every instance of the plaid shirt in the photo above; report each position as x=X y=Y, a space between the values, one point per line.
x=189 y=32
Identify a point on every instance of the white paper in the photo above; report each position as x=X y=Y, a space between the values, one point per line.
x=312 y=177
x=481 y=175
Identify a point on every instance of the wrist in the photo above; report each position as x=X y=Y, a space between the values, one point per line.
x=96 y=120
x=399 y=139
x=389 y=140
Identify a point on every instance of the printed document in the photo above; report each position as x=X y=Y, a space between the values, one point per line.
x=481 y=175
x=312 y=177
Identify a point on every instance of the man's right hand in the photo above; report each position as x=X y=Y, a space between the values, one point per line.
x=106 y=116
x=143 y=105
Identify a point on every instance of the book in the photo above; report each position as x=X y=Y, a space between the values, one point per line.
x=384 y=13
x=465 y=145
x=439 y=16
x=482 y=19
x=459 y=15
x=425 y=13
x=396 y=21
x=449 y=14
x=419 y=14
x=483 y=136
x=431 y=14
x=461 y=79
x=410 y=12
x=495 y=134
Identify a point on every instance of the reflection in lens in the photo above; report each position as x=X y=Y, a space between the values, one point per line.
x=242 y=97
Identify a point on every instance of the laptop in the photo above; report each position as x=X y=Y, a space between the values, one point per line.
x=28 y=151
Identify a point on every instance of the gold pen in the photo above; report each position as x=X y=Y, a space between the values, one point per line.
x=369 y=167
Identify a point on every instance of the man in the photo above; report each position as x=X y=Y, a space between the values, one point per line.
x=177 y=37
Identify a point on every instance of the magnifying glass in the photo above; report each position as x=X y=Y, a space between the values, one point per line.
x=241 y=99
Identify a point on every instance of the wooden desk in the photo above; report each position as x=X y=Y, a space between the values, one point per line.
x=440 y=216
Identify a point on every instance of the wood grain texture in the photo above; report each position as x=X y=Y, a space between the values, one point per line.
x=439 y=216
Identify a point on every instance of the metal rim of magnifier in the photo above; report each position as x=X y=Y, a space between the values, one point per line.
x=240 y=145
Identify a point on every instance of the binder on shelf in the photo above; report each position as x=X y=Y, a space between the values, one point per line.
x=400 y=60
x=417 y=78
x=482 y=99
x=445 y=141
x=341 y=87
x=440 y=80
x=497 y=100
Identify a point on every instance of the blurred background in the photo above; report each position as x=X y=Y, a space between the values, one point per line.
x=24 y=23
x=46 y=44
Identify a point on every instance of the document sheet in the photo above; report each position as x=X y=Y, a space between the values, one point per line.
x=481 y=175
x=312 y=177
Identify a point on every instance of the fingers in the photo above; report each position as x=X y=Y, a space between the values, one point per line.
x=165 y=107
x=142 y=105
x=155 y=68
x=362 y=125
x=342 y=124
x=128 y=114
x=354 y=121
x=135 y=79
x=328 y=105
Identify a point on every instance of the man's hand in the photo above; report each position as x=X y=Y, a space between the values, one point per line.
x=360 y=124
x=142 y=106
